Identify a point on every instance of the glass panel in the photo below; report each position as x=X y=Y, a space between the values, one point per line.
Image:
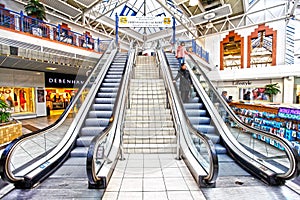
x=264 y=146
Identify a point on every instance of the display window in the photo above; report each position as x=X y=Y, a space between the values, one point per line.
x=57 y=99
x=20 y=100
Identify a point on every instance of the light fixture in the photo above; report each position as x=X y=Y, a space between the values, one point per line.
x=209 y=16
x=193 y=2
x=51 y=68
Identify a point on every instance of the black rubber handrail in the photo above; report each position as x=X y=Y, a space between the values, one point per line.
x=93 y=180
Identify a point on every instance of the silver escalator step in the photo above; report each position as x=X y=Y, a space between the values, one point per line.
x=91 y=130
x=79 y=152
x=105 y=100
x=100 y=114
x=97 y=122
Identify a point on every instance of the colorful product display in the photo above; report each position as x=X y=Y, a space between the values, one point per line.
x=273 y=124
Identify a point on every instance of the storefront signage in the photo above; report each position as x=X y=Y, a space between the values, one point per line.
x=144 y=21
x=5 y=91
x=242 y=83
x=63 y=80
x=289 y=113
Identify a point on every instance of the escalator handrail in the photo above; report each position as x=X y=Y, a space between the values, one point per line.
x=212 y=174
x=5 y=157
x=293 y=156
x=93 y=179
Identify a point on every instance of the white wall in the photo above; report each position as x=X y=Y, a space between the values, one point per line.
x=212 y=42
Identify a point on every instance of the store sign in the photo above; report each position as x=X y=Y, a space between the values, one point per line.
x=5 y=91
x=289 y=113
x=63 y=80
x=242 y=83
x=145 y=21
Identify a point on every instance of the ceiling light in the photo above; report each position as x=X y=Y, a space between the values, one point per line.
x=51 y=68
x=193 y=2
x=209 y=16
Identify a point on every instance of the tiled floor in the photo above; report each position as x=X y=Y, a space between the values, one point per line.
x=152 y=176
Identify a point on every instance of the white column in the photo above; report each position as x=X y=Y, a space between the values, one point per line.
x=288 y=89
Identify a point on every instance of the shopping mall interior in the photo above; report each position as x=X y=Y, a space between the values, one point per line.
x=156 y=99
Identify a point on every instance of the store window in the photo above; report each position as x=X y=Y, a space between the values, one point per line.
x=20 y=100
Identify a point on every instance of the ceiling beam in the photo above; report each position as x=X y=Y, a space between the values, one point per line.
x=180 y=21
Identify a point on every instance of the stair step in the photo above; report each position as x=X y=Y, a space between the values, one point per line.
x=149 y=131
x=149 y=148
x=149 y=139
x=147 y=124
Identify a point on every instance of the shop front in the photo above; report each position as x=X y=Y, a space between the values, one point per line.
x=250 y=90
x=60 y=88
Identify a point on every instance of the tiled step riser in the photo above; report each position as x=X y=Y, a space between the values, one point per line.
x=154 y=124
x=149 y=140
x=140 y=132
x=149 y=150
x=151 y=118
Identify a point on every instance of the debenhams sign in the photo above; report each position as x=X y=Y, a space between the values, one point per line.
x=63 y=80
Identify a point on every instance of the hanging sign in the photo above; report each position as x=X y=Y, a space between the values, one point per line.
x=144 y=21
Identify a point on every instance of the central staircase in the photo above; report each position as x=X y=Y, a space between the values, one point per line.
x=148 y=124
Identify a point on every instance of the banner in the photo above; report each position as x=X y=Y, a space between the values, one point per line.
x=144 y=21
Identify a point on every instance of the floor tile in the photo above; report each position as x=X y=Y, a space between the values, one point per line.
x=180 y=195
x=132 y=185
x=152 y=173
x=175 y=184
x=155 y=196
x=130 y=196
x=151 y=163
x=171 y=172
x=135 y=163
x=134 y=172
x=110 y=196
x=114 y=184
x=153 y=184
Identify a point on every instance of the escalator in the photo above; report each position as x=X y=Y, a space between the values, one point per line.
x=54 y=158
x=240 y=156
x=150 y=124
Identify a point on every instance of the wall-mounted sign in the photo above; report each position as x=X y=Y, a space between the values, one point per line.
x=289 y=113
x=57 y=80
x=145 y=21
x=242 y=83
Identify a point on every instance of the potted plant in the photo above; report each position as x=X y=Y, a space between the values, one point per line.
x=35 y=9
x=271 y=90
x=4 y=113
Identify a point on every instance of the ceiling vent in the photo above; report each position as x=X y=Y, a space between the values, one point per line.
x=216 y=13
